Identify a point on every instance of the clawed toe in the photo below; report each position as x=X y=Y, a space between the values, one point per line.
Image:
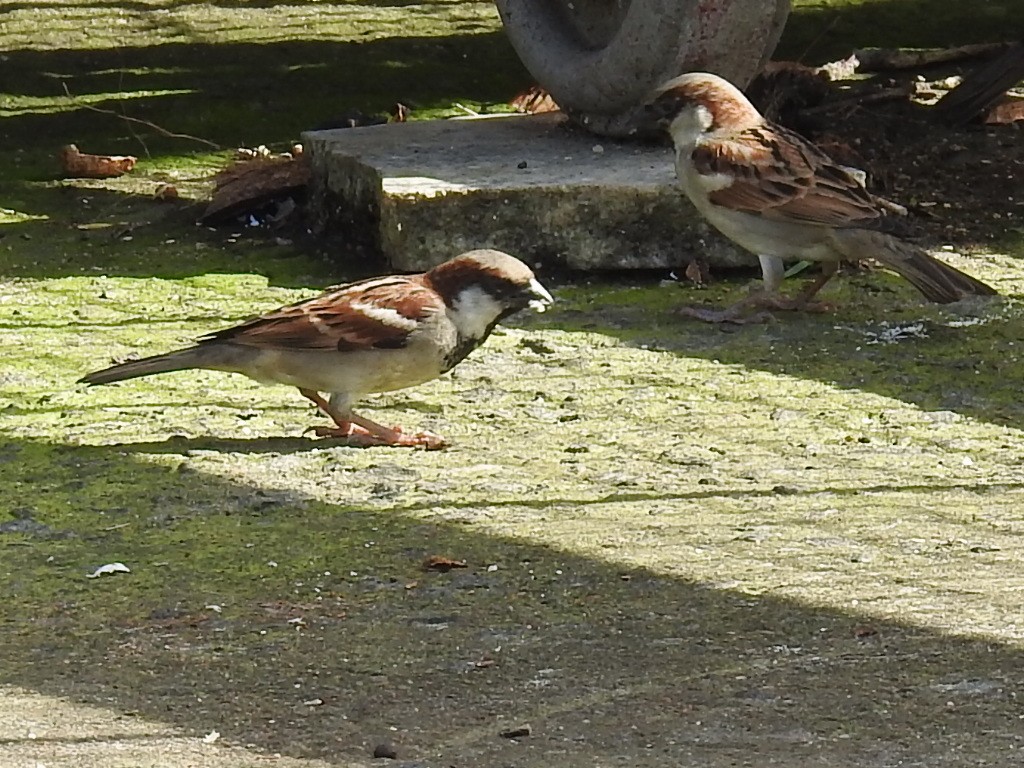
x=742 y=312
x=358 y=437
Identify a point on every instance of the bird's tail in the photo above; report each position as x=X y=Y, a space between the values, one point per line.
x=935 y=279
x=181 y=360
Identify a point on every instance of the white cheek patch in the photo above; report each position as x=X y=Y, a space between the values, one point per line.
x=385 y=315
x=474 y=311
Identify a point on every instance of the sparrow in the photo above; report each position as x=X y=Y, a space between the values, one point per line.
x=375 y=335
x=779 y=196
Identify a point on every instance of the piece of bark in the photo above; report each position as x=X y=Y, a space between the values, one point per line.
x=886 y=59
x=78 y=165
x=982 y=87
x=252 y=184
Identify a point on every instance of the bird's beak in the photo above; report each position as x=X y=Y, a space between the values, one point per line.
x=543 y=299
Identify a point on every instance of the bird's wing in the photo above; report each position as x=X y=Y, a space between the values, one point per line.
x=779 y=175
x=379 y=313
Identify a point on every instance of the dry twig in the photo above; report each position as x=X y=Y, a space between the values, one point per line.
x=159 y=129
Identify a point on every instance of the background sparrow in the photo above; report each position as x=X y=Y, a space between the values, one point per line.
x=780 y=197
x=375 y=335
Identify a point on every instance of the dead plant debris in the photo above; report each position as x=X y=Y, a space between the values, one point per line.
x=442 y=564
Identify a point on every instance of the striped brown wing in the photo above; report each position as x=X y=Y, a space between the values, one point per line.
x=380 y=313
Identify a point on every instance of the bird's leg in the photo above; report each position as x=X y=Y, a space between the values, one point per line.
x=803 y=299
x=345 y=428
x=360 y=431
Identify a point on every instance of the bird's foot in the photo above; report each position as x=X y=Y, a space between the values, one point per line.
x=755 y=308
x=360 y=437
x=732 y=315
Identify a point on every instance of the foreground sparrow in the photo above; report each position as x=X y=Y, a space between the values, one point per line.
x=780 y=197
x=375 y=335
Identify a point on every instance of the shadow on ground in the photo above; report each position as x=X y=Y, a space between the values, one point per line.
x=310 y=629
x=646 y=620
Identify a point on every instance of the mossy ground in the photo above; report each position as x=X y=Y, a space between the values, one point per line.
x=793 y=544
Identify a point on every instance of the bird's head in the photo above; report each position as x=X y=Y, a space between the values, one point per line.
x=698 y=103
x=481 y=287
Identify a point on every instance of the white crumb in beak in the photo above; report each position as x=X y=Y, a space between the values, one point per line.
x=543 y=297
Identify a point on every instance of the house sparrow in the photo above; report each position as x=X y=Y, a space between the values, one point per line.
x=376 y=335
x=780 y=197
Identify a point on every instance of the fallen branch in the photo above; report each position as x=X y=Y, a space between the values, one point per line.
x=885 y=94
x=886 y=59
x=159 y=129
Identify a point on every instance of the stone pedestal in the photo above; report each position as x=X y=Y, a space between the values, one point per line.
x=531 y=185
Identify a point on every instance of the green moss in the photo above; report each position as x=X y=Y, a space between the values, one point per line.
x=688 y=529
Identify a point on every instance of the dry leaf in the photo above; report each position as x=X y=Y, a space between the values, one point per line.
x=698 y=272
x=1009 y=110
x=165 y=192
x=534 y=101
x=74 y=164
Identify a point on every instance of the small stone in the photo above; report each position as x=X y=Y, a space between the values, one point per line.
x=516 y=733
x=385 y=751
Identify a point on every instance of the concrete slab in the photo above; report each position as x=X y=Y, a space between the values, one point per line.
x=527 y=184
